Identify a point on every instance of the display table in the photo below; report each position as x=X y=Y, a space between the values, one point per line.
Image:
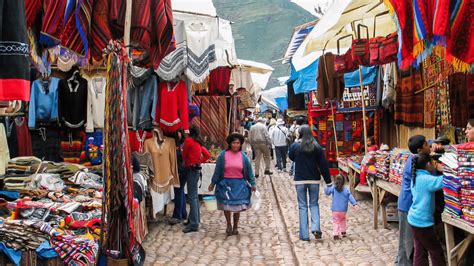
x=380 y=189
x=456 y=252
x=353 y=173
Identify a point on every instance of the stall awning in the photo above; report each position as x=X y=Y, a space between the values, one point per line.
x=352 y=79
x=205 y=7
x=270 y=96
x=299 y=34
x=340 y=20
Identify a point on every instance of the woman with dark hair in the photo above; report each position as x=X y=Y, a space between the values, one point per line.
x=234 y=180
x=470 y=130
x=310 y=164
x=421 y=214
x=194 y=154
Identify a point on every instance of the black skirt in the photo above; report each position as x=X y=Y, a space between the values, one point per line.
x=14 y=52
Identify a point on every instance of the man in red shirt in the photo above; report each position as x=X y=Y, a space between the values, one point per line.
x=194 y=154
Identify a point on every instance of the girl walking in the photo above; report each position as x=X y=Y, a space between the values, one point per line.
x=341 y=196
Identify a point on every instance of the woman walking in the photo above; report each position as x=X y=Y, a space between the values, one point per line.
x=233 y=179
x=194 y=154
x=310 y=164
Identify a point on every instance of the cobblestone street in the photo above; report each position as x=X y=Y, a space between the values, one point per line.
x=269 y=236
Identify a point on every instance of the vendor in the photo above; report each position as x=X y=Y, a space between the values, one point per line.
x=470 y=130
x=371 y=144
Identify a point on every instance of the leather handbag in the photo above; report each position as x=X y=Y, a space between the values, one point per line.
x=344 y=63
x=360 y=47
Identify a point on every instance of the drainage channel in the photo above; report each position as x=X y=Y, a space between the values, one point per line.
x=288 y=250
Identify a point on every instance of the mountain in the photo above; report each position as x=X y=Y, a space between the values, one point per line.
x=262 y=29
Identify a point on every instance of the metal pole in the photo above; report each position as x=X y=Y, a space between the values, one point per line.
x=363 y=108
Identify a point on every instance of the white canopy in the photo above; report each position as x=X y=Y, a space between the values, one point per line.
x=342 y=19
x=268 y=96
x=205 y=7
x=255 y=67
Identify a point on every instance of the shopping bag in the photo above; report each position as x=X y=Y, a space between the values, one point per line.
x=256 y=200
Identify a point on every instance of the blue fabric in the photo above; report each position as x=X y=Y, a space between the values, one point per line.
x=219 y=169
x=341 y=199
x=45 y=251
x=192 y=179
x=309 y=166
x=302 y=192
x=263 y=108
x=93 y=145
x=282 y=103
x=305 y=79
x=140 y=101
x=233 y=191
x=405 y=197
x=369 y=74
x=421 y=213
x=43 y=103
x=13 y=255
x=10 y=195
x=179 y=211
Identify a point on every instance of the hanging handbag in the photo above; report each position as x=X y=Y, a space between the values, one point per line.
x=344 y=63
x=388 y=49
x=360 y=47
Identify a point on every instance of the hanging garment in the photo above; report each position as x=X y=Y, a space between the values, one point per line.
x=239 y=79
x=72 y=145
x=165 y=167
x=219 y=80
x=409 y=106
x=460 y=40
x=200 y=33
x=175 y=62
x=95 y=102
x=77 y=30
x=14 y=52
x=151 y=29
x=94 y=148
x=43 y=102
x=423 y=30
x=461 y=93
x=53 y=21
x=23 y=137
x=390 y=78
x=330 y=84
x=10 y=130
x=405 y=28
x=46 y=144
x=295 y=101
x=72 y=100
x=213 y=118
x=172 y=106
x=226 y=54
x=4 y=152
x=100 y=30
x=141 y=102
x=137 y=139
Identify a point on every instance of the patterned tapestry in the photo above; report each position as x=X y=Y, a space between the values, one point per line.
x=213 y=120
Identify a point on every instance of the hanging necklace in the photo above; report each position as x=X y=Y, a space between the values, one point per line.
x=141 y=140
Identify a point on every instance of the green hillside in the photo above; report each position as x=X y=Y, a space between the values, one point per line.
x=262 y=29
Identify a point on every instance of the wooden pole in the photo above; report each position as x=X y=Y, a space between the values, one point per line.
x=128 y=23
x=334 y=129
x=363 y=108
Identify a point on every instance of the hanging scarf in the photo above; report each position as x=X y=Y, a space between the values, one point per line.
x=100 y=30
x=402 y=12
x=460 y=41
x=52 y=26
x=422 y=31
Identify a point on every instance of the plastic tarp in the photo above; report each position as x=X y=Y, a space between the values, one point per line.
x=340 y=20
x=13 y=255
x=282 y=103
x=45 y=251
x=369 y=74
x=205 y=7
x=268 y=96
x=305 y=79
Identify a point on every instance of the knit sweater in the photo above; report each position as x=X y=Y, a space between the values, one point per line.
x=165 y=167
x=172 y=108
x=43 y=101
x=95 y=102
x=341 y=199
x=194 y=153
x=309 y=166
x=72 y=101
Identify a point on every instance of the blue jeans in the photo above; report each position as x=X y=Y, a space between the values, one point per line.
x=179 y=211
x=281 y=152
x=302 y=192
x=405 y=241
x=192 y=179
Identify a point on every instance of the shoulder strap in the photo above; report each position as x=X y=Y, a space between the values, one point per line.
x=281 y=130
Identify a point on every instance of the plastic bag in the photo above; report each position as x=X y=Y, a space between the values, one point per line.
x=256 y=200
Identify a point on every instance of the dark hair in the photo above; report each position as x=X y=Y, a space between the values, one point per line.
x=179 y=141
x=300 y=120
x=308 y=143
x=235 y=136
x=135 y=164
x=419 y=162
x=416 y=142
x=471 y=122
x=339 y=183
x=371 y=140
x=195 y=133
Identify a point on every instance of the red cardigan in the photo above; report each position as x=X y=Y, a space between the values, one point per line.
x=194 y=153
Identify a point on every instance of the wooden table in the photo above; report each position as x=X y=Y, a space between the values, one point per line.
x=352 y=175
x=456 y=252
x=379 y=191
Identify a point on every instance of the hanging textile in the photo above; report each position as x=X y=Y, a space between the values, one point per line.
x=330 y=83
x=430 y=108
x=409 y=106
x=404 y=20
x=460 y=40
x=117 y=210
x=461 y=95
x=174 y=63
x=219 y=80
x=295 y=101
x=443 y=114
x=100 y=30
x=213 y=120
x=172 y=106
x=14 y=52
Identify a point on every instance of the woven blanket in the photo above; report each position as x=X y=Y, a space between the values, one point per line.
x=213 y=118
x=409 y=107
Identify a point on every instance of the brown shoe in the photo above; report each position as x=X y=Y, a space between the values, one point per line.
x=228 y=231
x=235 y=232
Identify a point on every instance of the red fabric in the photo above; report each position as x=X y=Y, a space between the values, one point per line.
x=219 y=81
x=373 y=148
x=32 y=9
x=194 y=153
x=404 y=11
x=172 y=106
x=14 y=89
x=461 y=38
x=100 y=29
x=24 y=139
x=134 y=140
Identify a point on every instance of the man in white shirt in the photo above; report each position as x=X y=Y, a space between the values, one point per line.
x=261 y=142
x=279 y=137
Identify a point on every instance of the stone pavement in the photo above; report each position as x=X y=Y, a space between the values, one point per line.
x=269 y=236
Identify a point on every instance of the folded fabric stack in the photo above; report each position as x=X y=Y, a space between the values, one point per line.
x=466 y=176
x=18 y=173
x=19 y=236
x=398 y=158
x=382 y=164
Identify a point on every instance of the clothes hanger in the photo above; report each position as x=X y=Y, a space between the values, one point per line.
x=158 y=134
